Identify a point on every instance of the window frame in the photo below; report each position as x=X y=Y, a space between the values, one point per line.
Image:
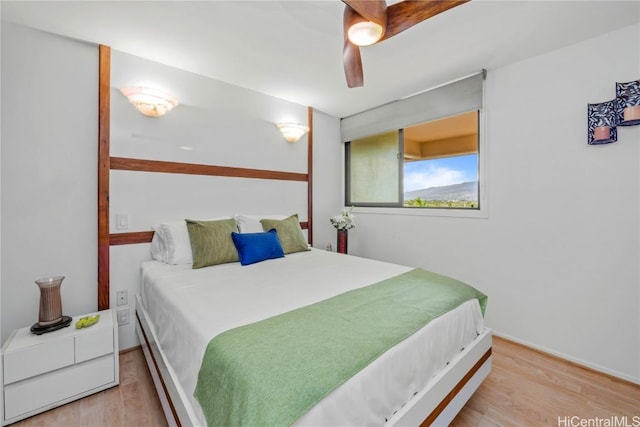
x=399 y=209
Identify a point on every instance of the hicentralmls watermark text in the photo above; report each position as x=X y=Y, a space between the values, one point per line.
x=613 y=421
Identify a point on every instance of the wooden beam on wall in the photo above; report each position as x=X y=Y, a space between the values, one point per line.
x=310 y=175
x=121 y=163
x=134 y=237
x=106 y=163
x=131 y=238
x=104 y=83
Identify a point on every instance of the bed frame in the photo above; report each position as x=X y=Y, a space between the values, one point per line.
x=436 y=405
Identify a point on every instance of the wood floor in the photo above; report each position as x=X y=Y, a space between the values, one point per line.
x=528 y=388
x=525 y=388
x=134 y=403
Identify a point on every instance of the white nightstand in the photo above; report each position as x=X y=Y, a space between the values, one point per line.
x=49 y=370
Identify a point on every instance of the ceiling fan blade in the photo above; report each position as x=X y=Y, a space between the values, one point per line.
x=406 y=14
x=371 y=10
x=351 y=52
x=352 y=65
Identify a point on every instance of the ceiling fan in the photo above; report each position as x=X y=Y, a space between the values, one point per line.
x=367 y=22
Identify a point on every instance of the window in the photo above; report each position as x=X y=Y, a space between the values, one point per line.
x=374 y=176
x=431 y=165
x=400 y=155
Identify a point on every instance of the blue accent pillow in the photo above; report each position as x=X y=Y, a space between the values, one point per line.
x=256 y=247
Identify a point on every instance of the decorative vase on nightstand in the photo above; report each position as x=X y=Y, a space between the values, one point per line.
x=343 y=222
x=50 y=317
x=342 y=241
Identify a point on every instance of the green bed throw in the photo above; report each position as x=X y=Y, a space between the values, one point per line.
x=270 y=373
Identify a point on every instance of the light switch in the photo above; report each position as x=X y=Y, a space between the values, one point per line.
x=122 y=221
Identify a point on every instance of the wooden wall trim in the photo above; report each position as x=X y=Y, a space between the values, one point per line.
x=310 y=175
x=135 y=237
x=104 y=105
x=122 y=163
x=106 y=163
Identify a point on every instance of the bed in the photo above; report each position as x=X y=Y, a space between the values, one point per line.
x=426 y=377
x=151 y=185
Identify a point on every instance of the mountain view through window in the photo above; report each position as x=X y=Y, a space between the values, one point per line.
x=450 y=182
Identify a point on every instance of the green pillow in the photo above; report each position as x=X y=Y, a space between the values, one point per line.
x=289 y=233
x=211 y=242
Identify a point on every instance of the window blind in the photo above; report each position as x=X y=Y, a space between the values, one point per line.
x=456 y=97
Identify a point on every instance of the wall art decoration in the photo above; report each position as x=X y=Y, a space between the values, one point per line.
x=602 y=120
x=628 y=96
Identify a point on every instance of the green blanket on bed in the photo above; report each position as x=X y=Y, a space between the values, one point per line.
x=272 y=372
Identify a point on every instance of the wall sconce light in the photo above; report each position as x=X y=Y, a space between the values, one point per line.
x=628 y=95
x=292 y=132
x=601 y=122
x=150 y=102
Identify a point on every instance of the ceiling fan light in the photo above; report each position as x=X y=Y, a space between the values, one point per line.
x=364 y=33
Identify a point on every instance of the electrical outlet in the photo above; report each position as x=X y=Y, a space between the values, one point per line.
x=122 y=297
x=123 y=316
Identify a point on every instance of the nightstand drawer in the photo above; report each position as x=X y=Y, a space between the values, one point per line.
x=54 y=387
x=36 y=359
x=44 y=371
x=94 y=343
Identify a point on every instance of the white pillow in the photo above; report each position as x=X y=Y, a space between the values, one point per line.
x=174 y=246
x=158 y=248
x=251 y=223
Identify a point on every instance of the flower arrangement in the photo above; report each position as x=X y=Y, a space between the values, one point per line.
x=345 y=220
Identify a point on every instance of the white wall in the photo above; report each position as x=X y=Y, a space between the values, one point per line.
x=559 y=253
x=48 y=172
x=224 y=125
x=49 y=166
x=1 y=340
x=328 y=170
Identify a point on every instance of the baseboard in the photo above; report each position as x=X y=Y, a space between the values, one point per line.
x=613 y=375
x=127 y=350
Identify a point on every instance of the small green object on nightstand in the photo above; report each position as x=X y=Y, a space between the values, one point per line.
x=85 y=322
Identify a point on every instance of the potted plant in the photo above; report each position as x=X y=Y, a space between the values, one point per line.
x=343 y=222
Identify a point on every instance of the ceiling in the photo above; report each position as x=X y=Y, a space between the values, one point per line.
x=453 y=135
x=293 y=49
x=446 y=128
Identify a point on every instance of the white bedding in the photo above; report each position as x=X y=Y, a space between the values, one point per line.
x=189 y=307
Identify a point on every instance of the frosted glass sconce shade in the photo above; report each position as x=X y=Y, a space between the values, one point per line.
x=150 y=102
x=628 y=95
x=292 y=132
x=601 y=122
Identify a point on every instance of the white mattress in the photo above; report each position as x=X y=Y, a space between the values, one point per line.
x=189 y=307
